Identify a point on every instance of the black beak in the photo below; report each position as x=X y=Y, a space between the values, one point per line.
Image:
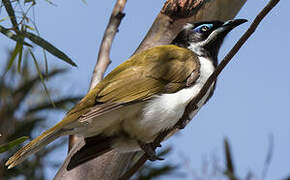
x=231 y=24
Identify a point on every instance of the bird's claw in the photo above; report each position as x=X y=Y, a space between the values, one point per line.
x=149 y=151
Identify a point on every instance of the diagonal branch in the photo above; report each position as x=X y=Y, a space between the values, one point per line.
x=208 y=83
x=104 y=51
x=176 y=13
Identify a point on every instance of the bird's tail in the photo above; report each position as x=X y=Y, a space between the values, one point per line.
x=34 y=146
x=94 y=146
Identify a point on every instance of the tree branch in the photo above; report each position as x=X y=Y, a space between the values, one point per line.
x=105 y=48
x=208 y=83
x=176 y=13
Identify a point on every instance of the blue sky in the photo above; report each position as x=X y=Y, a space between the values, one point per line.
x=252 y=96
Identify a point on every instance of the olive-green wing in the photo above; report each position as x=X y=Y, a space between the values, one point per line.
x=162 y=69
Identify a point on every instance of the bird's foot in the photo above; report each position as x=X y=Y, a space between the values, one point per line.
x=149 y=151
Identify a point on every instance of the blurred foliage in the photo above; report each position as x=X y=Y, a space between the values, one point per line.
x=24 y=108
x=230 y=169
x=213 y=169
x=23 y=28
x=152 y=171
x=11 y=144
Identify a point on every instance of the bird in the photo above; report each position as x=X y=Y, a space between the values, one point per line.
x=143 y=96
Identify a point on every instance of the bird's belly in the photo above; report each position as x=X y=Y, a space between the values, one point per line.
x=162 y=112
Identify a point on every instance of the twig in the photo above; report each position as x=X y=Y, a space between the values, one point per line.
x=237 y=46
x=210 y=80
x=104 y=51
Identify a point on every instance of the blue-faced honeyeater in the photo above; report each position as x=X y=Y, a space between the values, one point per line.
x=142 y=97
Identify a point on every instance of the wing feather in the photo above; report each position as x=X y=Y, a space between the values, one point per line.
x=162 y=69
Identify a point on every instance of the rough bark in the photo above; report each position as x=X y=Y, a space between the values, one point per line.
x=176 y=13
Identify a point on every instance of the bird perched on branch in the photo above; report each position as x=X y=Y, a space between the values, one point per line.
x=142 y=97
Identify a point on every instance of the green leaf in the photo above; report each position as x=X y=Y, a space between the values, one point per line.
x=28 y=1
x=9 y=34
x=230 y=171
x=20 y=50
x=29 y=27
x=20 y=57
x=51 y=3
x=3 y=19
x=49 y=47
x=229 y=160
x=10 y=12
x=45 y=63
x=6 y=147
x=41 y=77
x=13 y=56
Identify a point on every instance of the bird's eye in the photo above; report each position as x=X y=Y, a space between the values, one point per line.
x=203 y=28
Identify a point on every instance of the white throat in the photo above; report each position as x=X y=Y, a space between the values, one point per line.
x=197 y=48
x=165 y=110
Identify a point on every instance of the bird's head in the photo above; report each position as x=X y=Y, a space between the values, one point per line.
x=205 y=38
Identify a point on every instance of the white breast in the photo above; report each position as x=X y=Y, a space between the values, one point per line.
x=165 y=110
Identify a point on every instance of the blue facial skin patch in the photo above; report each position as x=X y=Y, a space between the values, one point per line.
x=198 y=28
